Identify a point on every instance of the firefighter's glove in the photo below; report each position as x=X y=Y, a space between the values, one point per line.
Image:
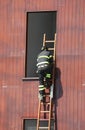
x=37 y=71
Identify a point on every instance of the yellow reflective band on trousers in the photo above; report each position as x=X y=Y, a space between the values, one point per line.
x=41 y=87
x=48 y=75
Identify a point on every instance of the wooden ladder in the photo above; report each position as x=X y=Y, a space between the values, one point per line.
x=45 y=109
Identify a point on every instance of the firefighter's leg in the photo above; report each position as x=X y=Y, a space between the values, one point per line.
x=41 y=86
x=41 y=92
x=48 y=80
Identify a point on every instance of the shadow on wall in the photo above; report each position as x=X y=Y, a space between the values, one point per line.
x=58 y=93
x=58 y=85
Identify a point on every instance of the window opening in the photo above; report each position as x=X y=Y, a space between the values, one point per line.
x=38 y=23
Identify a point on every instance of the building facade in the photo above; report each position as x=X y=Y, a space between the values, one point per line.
x=18 y=97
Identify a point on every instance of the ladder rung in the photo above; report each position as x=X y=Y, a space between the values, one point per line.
x=43 y=127
x=51 y=49
x=47 y=94
x=45 y=103
x=44 y=120
x=44 y=111
x=49 y=41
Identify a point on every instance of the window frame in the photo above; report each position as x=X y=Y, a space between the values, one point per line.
x=26 y=78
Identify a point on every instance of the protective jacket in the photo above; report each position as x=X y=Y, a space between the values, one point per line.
x=44 y=60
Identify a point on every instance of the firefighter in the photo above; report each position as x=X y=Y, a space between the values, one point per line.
x=44 y=70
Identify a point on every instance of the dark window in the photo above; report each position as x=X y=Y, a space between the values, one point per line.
x=31 y=124
x=38 y=23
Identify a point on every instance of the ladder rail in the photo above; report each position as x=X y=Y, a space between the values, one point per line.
x=39 y=107
x=49 y=125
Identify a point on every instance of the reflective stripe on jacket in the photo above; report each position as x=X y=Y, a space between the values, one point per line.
x=43 y=58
